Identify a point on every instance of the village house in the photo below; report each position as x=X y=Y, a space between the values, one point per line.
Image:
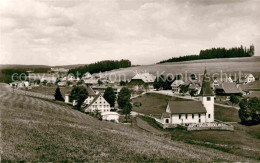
x=227 y=89
x=247 y=78
x=101 y=89
x=190 y=112
x=143 y=77
x=176 y=86
x=96 y=102
x=20 y=84
x=87 y=75
x=195 y=87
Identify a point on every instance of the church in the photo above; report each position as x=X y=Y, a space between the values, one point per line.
x=191 y=112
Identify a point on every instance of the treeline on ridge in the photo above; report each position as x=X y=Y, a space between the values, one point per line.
x=6 y=74
x=216 y=53
x=101 y=66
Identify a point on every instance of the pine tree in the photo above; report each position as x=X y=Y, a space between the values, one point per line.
x=58 y=95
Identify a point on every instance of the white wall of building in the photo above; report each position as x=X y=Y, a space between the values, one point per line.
x=208 y=102
x=182 y=119
x=100 y=104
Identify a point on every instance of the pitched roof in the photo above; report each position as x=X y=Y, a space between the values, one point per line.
x=229 y=88
x=89 y=90
x=177 y=83
x=184 y=107
x=94 y=100
x=146 y=77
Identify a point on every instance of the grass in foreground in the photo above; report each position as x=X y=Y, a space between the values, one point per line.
x=38 y=130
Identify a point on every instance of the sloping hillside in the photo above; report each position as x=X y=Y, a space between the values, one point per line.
x=38 y=130
x=226 y=65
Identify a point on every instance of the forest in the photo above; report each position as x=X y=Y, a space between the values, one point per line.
x=6 y=74
x=216 y=53
x=101 y=66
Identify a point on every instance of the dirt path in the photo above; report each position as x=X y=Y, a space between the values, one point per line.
x=143 y=125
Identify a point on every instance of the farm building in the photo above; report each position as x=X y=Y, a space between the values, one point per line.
x=227 y=89
x=143 y=77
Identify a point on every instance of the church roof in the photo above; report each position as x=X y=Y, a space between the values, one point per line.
x=185 y=107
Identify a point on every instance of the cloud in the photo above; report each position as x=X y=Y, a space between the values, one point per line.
x=69 y=32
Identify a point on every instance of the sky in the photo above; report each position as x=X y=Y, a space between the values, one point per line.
x=62 y=32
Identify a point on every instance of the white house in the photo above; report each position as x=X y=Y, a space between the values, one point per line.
x=97 y=102
x=249 y=78
x=145 y=77
x=176 y=86
x=87 y=75
x=191 y=112
x=229 y=80
x=20 y=84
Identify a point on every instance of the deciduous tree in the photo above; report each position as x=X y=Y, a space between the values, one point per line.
x=109 y=96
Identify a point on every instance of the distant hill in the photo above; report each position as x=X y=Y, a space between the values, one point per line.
x=216 y=53
x=35 y=130
x=14 y=66
x=226 y=65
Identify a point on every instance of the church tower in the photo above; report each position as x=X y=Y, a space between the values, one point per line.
x=207 y=97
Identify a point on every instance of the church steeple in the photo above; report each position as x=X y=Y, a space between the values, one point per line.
x=207 y=97
x=206 y=89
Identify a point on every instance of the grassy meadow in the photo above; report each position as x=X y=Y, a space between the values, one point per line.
x=36 y=130
x=50 y=90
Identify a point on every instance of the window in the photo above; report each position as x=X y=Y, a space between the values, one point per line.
x=208 y=98
x=186 y=116
x=179 y=116
x=166 y=120
x=192 y=116
x=199 y=115
x=209 y=115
